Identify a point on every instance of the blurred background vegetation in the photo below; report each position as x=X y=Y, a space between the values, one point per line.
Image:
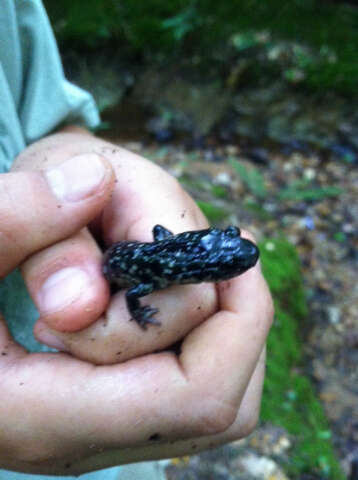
x=312 y=43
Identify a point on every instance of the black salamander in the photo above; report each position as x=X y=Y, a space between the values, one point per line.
x=209 y=255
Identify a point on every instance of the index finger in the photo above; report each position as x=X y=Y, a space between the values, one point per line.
x=146 y=195
x=38 y=209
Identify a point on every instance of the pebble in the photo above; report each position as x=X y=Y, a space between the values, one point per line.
x=348 y=228
x=354 y=470
x=333 y=314
x=223 y=178
x=323 y=209
x=309 y=174
x=232 y=150
x=262 y=468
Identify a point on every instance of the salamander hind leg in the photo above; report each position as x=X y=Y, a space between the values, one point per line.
x=142 y=314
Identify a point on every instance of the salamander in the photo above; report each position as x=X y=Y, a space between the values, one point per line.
x=209 y=255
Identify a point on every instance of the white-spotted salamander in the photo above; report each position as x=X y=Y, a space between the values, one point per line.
x=209 y=255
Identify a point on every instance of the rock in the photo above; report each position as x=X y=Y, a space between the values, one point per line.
x=333 y=314
x=107 y=81
x=223 y=178
x=261 y=468
x=270 y=440
x=344 y=152
x=354 y=470
x=189 y=107
x=257 y=155
x=309 y=174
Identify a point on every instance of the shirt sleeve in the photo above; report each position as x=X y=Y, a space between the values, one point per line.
x=48 y=98
x=35 y=98
x=34 y=93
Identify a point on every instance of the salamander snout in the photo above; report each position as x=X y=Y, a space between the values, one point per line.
x=248 y=253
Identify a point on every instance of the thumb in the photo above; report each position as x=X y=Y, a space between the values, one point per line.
x=39 y=208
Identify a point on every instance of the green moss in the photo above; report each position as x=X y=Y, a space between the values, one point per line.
x=252 y=177
x=303 y=190
x=257 y=209
x=215 y=213
x=289 y=397
x=281 y=268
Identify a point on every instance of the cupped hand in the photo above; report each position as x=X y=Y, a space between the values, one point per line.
x=63 y=279
x=78 y=416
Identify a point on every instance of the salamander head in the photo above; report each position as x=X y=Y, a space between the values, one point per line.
x=231 y=253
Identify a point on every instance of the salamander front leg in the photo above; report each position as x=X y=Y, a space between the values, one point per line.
x=160 y=233
x=143 y=315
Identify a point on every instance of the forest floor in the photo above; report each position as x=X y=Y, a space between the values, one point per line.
x=323 y=226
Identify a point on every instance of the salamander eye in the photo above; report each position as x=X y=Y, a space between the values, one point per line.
x=210 y=241
x=232 y=231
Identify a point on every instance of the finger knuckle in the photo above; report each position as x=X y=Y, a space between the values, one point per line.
x=33 y=454
x=215 y=417
x=249 y=422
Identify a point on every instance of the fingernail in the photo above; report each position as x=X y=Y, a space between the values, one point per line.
x=49 y=339
x=76 y=178
x=62 y=288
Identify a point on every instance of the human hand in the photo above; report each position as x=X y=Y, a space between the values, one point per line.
x=154 y=406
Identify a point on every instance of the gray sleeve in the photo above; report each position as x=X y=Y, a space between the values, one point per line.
x=35 y=96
